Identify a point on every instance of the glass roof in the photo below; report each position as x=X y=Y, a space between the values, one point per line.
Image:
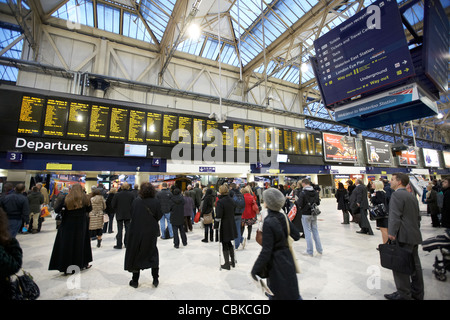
x=247 y=27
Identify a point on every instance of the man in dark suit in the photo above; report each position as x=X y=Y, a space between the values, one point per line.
x=359 y=196
x=404 y=227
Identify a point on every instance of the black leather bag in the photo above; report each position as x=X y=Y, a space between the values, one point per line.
x=24 y=287
x=378 y=212
x=396 y=258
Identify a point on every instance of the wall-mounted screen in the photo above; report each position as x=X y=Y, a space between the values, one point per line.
x=135 y=150
x=431 y=158
x=338 y=148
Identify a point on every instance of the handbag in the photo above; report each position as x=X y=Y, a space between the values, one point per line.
x=291 y=249
x=207 y=218
x=24 y=287
x=396 y=258
x=259 y=237
x=255 y=207
x=293 y=212
x=378 y=212
x=105 y=218
x=197 y=217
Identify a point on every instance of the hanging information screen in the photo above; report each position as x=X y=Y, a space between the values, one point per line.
x=154 y=121
x=170 y=123
x=78 y=120
x=136 y=127
x=31 y=115
x=118 y=127
x=185 y=129
x=362 y=54
x=55 y=117
x=98 y=126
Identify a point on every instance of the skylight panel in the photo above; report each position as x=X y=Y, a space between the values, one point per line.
x=134 y=27
x=157 y=14
x=108 y=18
x=81 y=12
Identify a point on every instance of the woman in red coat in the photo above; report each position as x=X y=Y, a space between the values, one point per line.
x=249 y=215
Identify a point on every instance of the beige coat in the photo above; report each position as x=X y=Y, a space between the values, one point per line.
x=96 y=215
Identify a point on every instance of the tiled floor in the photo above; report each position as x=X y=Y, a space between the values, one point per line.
x=349 y=268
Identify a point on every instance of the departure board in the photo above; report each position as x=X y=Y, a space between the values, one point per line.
x=170 y=123
x=238 y=136
x=197 y=130
x=31 y=115
x=154 y=122
x=288 y=148
x=210 y=137
x=250 y=137
x=296 y=142
x=118 y=125
x=137 y=126
x=77 y=124
x=55 y=117
x=185 y=129
x=98 y=126
x=363 y=53
x=303 y=143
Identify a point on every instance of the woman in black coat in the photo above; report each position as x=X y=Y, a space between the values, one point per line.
x=142 y=251
x=10 y=257
x=275 y=261
x=342 y=200
x=207 y=207
x=432 y=206
x=72 y=245
x=177 y=218
x=227 y=227
x=376 y=198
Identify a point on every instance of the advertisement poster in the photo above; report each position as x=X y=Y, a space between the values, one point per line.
x=378 y=152
x=408 y=157
x=431 y=158
x=446 y=158
x=338 y=148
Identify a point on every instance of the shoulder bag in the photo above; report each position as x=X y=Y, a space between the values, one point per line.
x=291 y=249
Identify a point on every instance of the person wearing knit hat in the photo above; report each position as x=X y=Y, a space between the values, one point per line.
x=274 y=199
x=275 y=261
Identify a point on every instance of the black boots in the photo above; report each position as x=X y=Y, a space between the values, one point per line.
x=227 y=254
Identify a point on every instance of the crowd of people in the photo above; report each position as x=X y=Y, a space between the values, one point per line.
x=282 y=214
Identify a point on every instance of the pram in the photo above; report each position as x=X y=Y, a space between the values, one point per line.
x=441 y=242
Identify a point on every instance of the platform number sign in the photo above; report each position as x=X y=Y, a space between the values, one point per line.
x=14 y=156
x=156 y=162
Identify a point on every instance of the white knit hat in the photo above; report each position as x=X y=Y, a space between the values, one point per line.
x=274 y=199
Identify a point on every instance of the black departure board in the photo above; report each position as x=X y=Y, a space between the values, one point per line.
x=154 y=126
x=198 y=129
x=210 y=138
x=77 y=123
x=170 y=124
x=185 y=129
x=31 y=115
x=295 y=142
x=118 y=125
x=55 y=117
x=288 y=147
x=250 y=137
x=98 y=126
x=137 y=126
x=227 y=135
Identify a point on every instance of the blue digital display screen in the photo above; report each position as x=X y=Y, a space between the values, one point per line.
x=363 y=53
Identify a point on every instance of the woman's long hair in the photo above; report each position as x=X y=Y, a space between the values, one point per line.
x=76 y=198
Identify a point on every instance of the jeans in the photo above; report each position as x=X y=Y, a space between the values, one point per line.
x=14 y=226
x=309 y=223
x=238 y=240
x=162 y=223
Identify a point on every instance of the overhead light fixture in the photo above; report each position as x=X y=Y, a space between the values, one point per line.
x=440 y=115
x=194 y=31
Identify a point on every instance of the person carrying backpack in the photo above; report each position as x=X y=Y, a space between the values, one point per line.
x=307 y=203
x=239 y=201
